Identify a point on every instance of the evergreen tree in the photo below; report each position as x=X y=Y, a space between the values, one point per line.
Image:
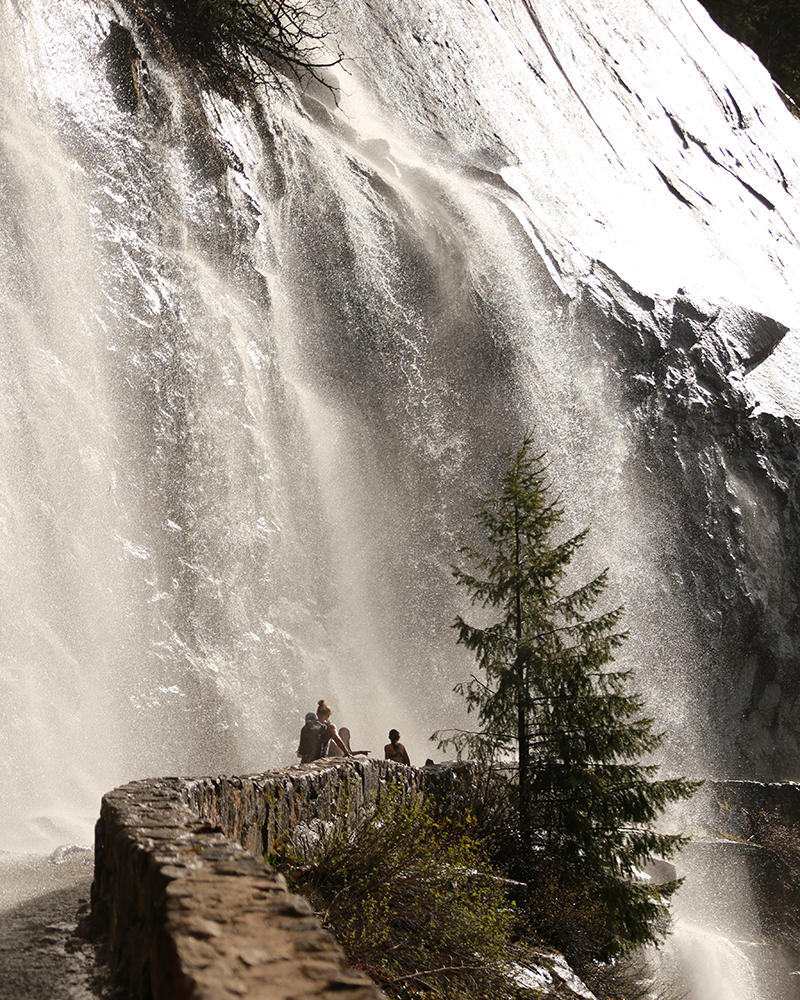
x=547 y=695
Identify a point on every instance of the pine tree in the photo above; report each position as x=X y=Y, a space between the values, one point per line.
x=548 y=696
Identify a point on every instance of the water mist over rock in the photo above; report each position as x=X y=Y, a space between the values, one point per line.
x=257 y=360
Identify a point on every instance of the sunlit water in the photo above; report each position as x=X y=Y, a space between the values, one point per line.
x=719 y=946
x=256 y=365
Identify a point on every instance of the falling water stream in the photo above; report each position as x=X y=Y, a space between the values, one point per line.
x=255 y=362
x=721 y=947
x=254 y=371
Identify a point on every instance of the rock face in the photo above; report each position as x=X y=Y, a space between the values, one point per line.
x=741 y=884
x=722 y=472
x=259 y=358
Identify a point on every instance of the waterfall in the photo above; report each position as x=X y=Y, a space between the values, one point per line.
x=720 y=947
x=251 y=380
x=256 y=360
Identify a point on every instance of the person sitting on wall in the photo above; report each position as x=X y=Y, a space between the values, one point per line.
x=312 y=736
x=344 y=734
x=331 y=736
x=395 y=750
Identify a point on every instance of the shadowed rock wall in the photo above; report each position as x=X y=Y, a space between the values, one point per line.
x=733 y=807
x=192 y=911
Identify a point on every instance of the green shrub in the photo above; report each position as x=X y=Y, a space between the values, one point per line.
x=418 y=902
x=411 y=900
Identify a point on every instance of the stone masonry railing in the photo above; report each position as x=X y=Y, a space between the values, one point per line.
x=192 y=912
x=190 y=908
x=734 y=807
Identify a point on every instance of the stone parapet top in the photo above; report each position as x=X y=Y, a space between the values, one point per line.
x=734 y=806
x=189 y=913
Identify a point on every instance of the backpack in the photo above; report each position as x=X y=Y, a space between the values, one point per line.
x=313 y=740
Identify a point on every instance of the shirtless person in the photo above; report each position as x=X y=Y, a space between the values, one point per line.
x=395 y=751
x=344 y=735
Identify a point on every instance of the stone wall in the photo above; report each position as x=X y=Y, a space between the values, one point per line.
x=189 y=907
x=191 y=911
x=257 y=809
x=733 y=807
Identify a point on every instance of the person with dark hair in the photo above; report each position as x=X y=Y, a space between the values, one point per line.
x=394 y=750
x=311 y=740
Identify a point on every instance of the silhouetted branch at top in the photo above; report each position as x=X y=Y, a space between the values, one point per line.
x=238 y=45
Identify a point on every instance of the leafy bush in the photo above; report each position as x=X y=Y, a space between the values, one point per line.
x=629 y=979
x=418 y=903
x=239 y=44
x=411 y=900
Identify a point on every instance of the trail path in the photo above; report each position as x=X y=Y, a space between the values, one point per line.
x=41 y=957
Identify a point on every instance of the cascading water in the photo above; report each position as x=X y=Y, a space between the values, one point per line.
x=255 y=362
x=721 y=945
